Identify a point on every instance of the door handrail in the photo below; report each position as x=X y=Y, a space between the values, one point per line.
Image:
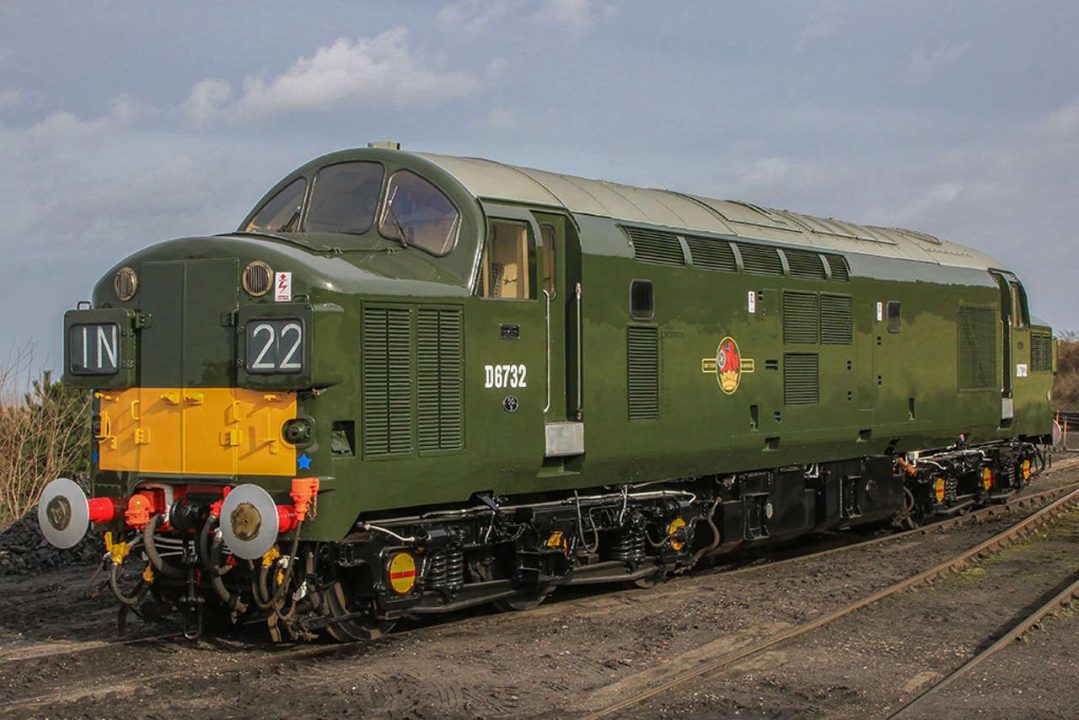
x=579 y=341
x=547 y=321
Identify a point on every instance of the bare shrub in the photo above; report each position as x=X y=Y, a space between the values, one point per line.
x=1066 y=382
x=45 y=434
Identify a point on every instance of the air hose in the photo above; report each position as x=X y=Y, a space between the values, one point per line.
x=151 y=551
x=716 y=535
x=265 y=599
x=205 y=551
x=114 y=584
x=210 y=555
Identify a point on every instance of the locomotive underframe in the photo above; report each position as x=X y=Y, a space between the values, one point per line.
x=513 y=552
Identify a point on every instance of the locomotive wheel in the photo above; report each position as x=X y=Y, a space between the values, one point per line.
x=335 y=604
x=644 y=583
x=521 y=602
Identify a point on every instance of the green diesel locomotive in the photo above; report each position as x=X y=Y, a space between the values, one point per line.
x=412 y=383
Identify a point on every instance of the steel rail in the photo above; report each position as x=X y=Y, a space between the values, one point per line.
x=1004 y=641
x=38 y=651
x=127 y=685
x=994 y=543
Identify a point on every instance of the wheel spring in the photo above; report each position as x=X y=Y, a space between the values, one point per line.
x=630 y=547
x=447 y=570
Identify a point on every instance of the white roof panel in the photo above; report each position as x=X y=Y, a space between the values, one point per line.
x=497 y=181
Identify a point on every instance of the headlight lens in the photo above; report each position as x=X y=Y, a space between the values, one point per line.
x=257 y=278
x=126 y=283
x=297 y=431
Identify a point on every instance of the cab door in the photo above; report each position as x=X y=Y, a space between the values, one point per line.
x=561 y=293
x=508 y=348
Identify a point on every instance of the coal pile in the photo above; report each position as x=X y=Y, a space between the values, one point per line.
x=23 y=550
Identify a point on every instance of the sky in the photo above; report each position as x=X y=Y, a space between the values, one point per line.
x=123 y=123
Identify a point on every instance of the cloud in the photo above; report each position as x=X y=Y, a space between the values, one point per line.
x=61 y=132
x=925 y=64
x=478 y=17
x=858 y=118
x=576 y=15
x=383 y=69
x=500 y=117
x=1062 y=123
x=11 y=97
x=830 y=19
x=475 y=17
x=206 y=100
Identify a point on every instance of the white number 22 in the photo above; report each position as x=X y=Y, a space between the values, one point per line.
x=504 y=376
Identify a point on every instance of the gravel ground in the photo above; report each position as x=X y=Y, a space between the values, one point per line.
x=1022 y=681
x=575 y=649
x=873 y=662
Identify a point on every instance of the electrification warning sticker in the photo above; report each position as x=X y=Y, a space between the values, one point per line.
x=283 y=287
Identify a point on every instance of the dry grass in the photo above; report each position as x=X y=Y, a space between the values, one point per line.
x=45 y=435
x=1066 y=383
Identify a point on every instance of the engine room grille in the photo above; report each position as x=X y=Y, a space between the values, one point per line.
x=439 y=379
x=1041 y=352
x=976 y=347
x=387 y=381
x=642 y=361
x=805 y=264
x=800 y=379
x=800 y=312
x=838 y=265
x=836 y=320
x=655 y=246
x=759 y=259
x=711 y=254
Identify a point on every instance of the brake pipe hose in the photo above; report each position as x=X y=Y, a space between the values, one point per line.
x=151 y=550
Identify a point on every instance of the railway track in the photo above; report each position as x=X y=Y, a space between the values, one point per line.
x=621 y=696
x=1018 y=629
x=292 y=654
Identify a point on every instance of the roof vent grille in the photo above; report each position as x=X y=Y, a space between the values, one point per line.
x=656 y=246
x=759 y=259
x=805 y=264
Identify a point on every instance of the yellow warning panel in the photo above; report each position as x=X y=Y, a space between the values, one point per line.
x=201 y=431
x=402 y=572
x=676 y=526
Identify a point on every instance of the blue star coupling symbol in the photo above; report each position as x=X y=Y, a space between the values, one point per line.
x=303 y=462
x=94 y=457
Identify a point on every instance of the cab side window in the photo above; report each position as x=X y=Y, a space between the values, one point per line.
x=548 y=233
x=508 y=262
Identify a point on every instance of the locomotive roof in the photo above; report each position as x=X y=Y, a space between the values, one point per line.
x=499 y=181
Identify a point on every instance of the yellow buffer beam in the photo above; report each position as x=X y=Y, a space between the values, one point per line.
x=196 y=431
